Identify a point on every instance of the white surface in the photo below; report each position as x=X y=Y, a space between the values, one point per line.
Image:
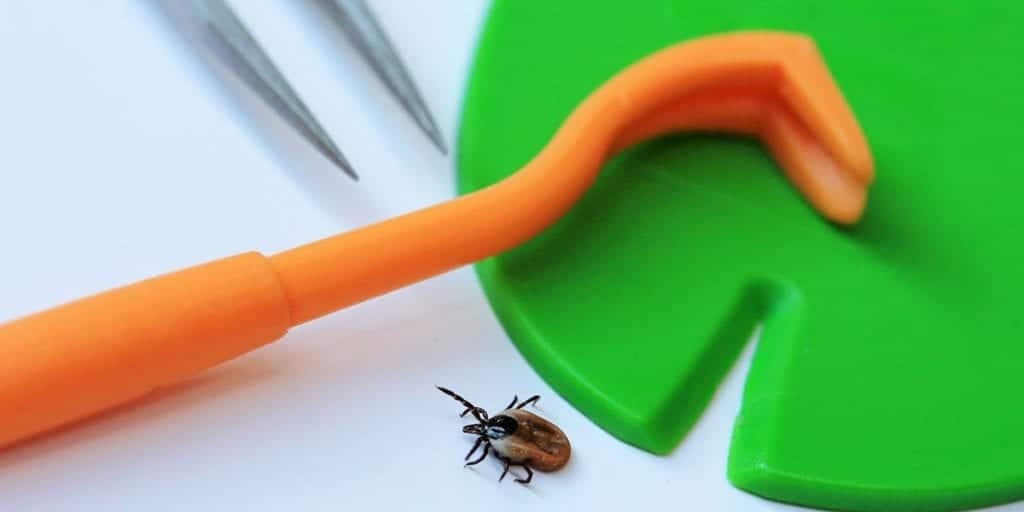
x=126 y=153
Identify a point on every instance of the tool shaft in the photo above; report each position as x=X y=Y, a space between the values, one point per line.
x=89 y=355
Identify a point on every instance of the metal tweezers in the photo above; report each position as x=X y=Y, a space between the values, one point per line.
x=365 y=33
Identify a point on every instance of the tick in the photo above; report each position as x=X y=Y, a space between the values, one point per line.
x=518 y=437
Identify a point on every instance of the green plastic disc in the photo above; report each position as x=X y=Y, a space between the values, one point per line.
x=890 y=369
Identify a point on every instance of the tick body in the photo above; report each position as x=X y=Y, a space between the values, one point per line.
x=517 y=437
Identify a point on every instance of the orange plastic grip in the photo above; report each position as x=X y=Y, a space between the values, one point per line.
x=84 y=357
x=94 y=353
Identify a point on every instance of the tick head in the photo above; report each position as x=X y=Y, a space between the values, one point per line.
x=475 y=429
x=500 y=426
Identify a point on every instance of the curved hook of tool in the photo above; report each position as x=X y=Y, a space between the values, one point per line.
x=95 y=353
x=771 y=84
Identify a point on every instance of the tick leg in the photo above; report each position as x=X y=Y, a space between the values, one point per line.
x=529 y=475
x=454 y=395
x=475 y=446
x=532 y=400
x=487 y=448
x=515 y=398
x=478 y=413
x=507 y=464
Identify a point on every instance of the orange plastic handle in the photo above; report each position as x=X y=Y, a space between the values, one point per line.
x=67 y=363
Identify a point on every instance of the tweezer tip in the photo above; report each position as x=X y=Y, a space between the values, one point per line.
x=345 y=167
x=429 y=128
x=326 y=146
x=435 y=137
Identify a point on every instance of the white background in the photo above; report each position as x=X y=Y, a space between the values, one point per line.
x=126 y=151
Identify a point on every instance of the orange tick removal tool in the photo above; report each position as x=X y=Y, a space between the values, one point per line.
x=86 y=356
